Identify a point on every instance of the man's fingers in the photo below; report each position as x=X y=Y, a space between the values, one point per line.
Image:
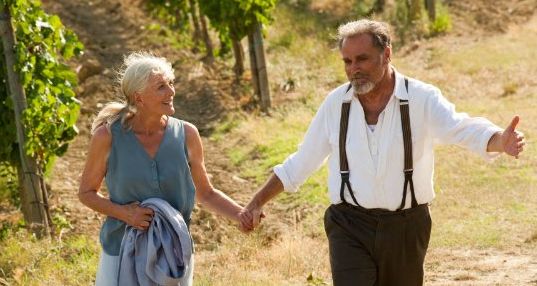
x=246 y=220
x=257 y=217
x=513 y=124
x=246 y=226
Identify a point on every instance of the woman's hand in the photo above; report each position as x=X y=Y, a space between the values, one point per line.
x=137 y=216
x=250 y=219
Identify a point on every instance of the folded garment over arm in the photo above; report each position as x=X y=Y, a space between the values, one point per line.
x=159 y=256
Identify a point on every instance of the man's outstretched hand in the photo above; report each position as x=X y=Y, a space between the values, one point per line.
x=512 y=141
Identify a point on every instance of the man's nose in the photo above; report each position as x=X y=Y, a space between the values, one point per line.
x=354 y=67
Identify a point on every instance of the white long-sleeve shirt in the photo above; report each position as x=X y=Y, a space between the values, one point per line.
x=376 y=161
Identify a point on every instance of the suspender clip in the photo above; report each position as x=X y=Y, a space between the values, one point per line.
x=408 y=171
x=344 y=175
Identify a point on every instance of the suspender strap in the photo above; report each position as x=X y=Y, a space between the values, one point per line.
x=343 y=163
x=407 y=144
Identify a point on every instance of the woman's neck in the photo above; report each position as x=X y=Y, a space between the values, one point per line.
x=148 y=125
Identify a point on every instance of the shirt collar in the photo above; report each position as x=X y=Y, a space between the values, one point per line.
x=399 y=89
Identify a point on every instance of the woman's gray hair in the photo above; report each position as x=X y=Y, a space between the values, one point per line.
x=379 y=31
x=133 y=77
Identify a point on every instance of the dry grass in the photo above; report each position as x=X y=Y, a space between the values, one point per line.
x=336 y=8
x=249 y=261
x=480 y=204
x=485 y=215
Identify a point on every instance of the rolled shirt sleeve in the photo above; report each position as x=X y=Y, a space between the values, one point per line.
x=310 y=155
x=451 y=127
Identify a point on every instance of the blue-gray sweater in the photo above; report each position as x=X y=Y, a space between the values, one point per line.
x=160 y=255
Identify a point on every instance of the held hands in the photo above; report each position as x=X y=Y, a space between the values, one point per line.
x=511 y=141
x=250 y=217
x=137 y=216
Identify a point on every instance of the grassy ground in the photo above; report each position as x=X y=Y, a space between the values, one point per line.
x=479 y=206
x=25 y=260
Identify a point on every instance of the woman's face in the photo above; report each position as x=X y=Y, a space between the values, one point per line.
x=157 y=96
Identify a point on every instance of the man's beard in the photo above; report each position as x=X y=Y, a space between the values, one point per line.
x=363 y=88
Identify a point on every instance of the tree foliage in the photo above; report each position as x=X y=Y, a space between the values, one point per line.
x=173 y=12
x=42 y=43
x=237 y=18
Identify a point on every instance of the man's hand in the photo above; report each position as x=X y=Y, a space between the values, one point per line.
x=250 y=217
x=511 y=141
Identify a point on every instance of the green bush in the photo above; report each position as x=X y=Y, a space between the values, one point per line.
x=442 y=23
x=9 y=185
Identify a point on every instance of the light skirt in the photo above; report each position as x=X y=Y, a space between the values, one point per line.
x=109 y=266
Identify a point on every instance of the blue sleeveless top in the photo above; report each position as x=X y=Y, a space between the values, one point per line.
x=132 y=175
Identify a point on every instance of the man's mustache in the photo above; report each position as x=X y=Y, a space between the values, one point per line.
x=358 y=76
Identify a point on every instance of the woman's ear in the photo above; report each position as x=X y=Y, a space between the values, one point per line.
x=138 y=100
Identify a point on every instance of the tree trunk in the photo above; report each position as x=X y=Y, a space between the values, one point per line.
x=253 y=64
x=238 y=52
x=196 y=36
x=414 y=10
x=263 y=90
x=208 y=43
x=430 y=5
x=33 y=205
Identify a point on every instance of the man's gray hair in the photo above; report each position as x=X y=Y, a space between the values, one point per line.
x=379 y=31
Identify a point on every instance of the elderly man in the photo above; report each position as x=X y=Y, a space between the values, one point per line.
x=378 y=132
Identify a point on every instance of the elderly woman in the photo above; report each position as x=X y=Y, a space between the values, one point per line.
x=143 y=152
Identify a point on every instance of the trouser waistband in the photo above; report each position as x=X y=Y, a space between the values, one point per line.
x=383 y=212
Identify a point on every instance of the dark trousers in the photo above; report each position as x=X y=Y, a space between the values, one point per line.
x=377 y=247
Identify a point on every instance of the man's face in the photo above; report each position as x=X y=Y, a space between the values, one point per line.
x=365 y=64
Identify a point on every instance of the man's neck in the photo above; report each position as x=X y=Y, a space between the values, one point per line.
x=376 y=100
x=382 y=91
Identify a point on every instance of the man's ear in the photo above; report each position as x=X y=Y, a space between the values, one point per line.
x=387 y=55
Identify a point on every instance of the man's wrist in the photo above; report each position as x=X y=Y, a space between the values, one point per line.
x=254 y=204
x=494 y=144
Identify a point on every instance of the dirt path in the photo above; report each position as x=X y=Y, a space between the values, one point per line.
x=480 y=267
x=111 y=28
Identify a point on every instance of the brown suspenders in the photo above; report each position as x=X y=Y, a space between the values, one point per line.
x=407 y=145
x=343 y=163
